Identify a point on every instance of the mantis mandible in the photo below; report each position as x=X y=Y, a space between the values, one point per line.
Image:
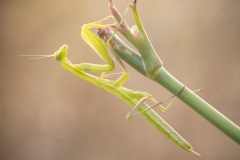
x=134 y=99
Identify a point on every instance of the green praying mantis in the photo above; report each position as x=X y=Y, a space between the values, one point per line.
x=134 y=99
x=146 y=61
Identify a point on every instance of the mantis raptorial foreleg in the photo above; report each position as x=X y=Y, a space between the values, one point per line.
x=99 y=47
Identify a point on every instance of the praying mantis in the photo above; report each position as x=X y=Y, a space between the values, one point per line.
x=134 y=99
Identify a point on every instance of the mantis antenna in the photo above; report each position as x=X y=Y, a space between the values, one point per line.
x=32 y=57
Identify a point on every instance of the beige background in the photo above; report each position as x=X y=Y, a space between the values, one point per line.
x=47 y=113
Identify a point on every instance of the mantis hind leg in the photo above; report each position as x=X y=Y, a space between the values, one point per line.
x=132 y=113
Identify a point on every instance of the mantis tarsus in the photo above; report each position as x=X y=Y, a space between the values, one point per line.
x=132 y=98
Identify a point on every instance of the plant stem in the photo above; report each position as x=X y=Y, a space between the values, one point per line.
x=148 y=65
x=164 y=78
x=199 y=105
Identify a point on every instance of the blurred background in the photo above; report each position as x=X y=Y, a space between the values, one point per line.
x=47 y=113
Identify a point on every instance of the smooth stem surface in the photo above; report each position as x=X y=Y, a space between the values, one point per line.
x=199 y=105
x=187 y=96
x=150 y=65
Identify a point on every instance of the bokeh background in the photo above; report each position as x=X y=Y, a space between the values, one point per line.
x=47 y=113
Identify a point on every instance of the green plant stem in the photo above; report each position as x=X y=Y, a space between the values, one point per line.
x=148 y=65
x=164 y=78
x=199 y=105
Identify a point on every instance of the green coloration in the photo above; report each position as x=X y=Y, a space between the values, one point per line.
x=129 y=96
x=137 y=36
x=99 y=47
x=132 y=98
x=123 y=50
x=144 y=62
x=147 y=63
x=199 y=105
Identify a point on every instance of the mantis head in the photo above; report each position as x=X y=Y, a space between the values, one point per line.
x=61 y=53
x=58 y=55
